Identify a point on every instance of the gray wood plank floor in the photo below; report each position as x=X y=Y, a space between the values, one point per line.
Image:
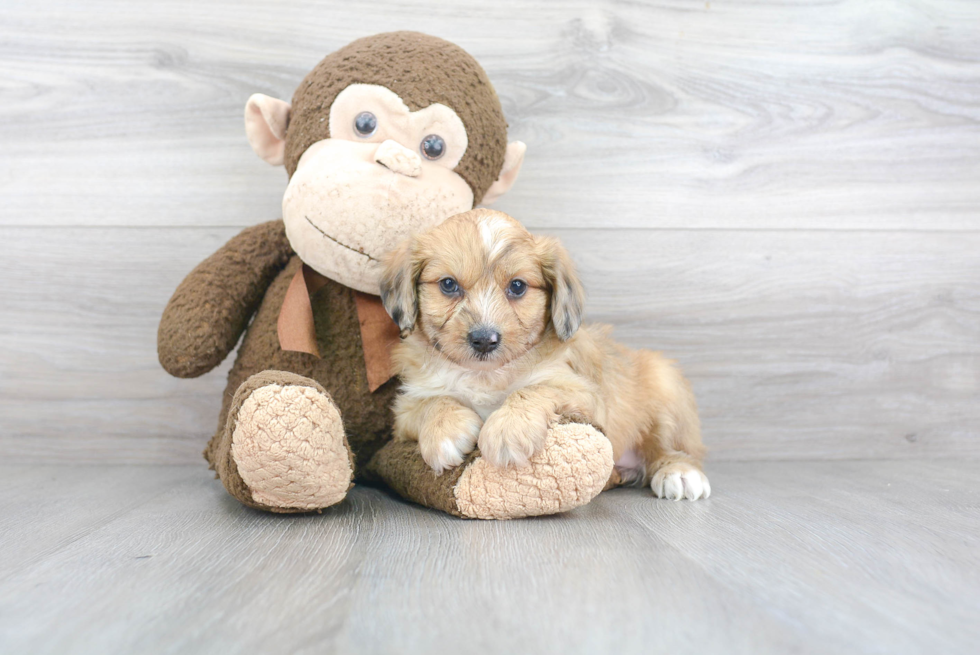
x=807 y=557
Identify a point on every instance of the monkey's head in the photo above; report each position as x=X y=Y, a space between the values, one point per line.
x=388 y=136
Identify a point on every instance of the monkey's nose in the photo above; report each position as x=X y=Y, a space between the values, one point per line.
x=398 y=158
x=484 y=340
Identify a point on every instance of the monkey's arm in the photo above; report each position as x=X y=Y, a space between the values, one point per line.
x=212 y=306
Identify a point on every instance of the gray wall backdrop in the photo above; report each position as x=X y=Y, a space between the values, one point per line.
x=785 y=196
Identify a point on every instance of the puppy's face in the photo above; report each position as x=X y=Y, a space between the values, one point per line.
x=481 y=289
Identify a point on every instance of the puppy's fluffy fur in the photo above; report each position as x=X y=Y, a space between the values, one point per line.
x=486 y=361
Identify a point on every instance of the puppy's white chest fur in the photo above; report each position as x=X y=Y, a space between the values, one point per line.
x=483 y=404
x=482 y=391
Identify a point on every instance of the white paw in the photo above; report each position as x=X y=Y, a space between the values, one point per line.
x=680 y=480
x=445 y=443
x=512 y=438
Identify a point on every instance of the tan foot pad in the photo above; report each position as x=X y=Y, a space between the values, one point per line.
x=289 y=447
x=571 y=470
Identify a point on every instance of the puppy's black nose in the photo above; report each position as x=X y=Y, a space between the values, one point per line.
x=484 y=339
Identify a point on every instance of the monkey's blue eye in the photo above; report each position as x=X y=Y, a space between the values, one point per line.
x=449 y=286
x=433 y=147
x=365 y=123
x=517 y=288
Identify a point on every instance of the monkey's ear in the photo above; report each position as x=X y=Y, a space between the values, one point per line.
x=508 y=172
x=567 y=293
x=265 y=124
x=399 y=282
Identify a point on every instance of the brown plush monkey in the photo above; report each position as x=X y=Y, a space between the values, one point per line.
x=388 y=136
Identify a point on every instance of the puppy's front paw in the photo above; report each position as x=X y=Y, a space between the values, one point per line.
x=680 y=480
x=448 y=436
x=512 y=437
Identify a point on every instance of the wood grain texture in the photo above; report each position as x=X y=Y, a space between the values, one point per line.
x=806 y=557
x=784 y=196
x=671 y=113
x=43 y=510
x=799 y=344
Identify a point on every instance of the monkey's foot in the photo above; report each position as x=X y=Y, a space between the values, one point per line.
x=574 y=466
x=286 y=449
x=570 y=471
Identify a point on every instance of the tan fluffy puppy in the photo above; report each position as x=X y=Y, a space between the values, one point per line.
x=492 y=355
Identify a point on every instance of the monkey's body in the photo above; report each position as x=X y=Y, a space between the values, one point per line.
x=295 y=430
x=340 y=369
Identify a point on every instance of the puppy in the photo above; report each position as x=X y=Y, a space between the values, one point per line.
x=492 y=354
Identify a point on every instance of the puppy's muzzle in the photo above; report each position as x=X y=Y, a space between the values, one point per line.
x=484 y=340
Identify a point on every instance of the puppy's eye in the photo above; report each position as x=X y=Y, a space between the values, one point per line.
x=365 y=124
x=516 y=288
x=449 y=286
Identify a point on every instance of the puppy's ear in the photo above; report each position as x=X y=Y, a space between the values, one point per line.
x=399 y=282
x=567 y=294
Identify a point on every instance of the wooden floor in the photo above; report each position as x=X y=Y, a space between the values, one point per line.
x=809 y=557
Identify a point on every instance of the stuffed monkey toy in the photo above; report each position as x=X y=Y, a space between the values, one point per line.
x=386 y=137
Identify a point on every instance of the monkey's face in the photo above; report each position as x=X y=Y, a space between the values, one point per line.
x=384 y=173
x=386 y=137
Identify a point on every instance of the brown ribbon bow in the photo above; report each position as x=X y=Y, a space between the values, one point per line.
x=297 y=332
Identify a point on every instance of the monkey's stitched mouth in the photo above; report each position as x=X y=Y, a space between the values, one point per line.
x=342 y=245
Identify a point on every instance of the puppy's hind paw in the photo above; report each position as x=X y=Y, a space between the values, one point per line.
x=680 y=480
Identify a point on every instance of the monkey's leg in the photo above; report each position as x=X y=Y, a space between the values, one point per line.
x=574 y=466
x=283 y=447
